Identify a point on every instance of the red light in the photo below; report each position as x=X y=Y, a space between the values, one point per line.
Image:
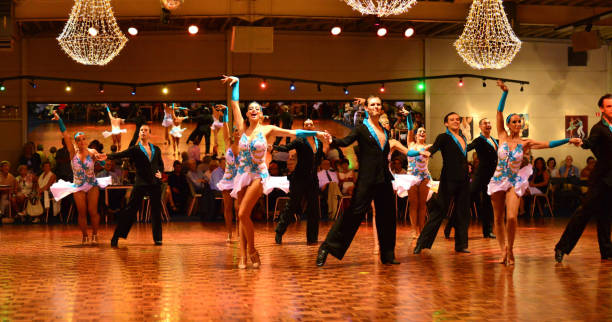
x=382 y=89
x=460 y=83
x=263 y=85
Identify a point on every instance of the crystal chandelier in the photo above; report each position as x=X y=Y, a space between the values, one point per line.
x=91 y=36
x=488 y=40
x=381 y=8
x=171 y=4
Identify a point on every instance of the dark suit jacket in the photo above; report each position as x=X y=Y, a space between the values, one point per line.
x=145 y=169
x=454 y=162
x=600 y=142
x=487 y=155
x=307 y=160
x=286 y=120
x=204 y=121
x=373 y=162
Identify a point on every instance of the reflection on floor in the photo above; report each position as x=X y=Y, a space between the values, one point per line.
x=46 y=274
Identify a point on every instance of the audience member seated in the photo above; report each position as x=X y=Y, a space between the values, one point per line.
x=274 y=171
x=551 y=167
x=567 y=169
x=29 y=158
x=115 y=196
x=585 y=174
x=45 y=180
x=178 y=186
x=538 y=182
x=26 y=185
x=329 y=185
x=201 y=185
x=347 y=178
x=397 y=166
x=194 y=150
x=7 y=196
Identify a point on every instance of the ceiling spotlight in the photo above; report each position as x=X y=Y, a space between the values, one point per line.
x=2 y=87
x=336 y=30
x=92 y=31
x=165 y=90
x=33 y=83
x=68 y=87
x=318 y=87
x=381 y=32
x=346 y=92
x=421 y=86
x=382 y=88
x=101 y=88
x=198 y=88
x=133 y=90
x=193 y=29
x=409 y=32
x=460 y=84
x=292 y=87
x=263 y=84
x=133 y=31
x=522 y=89
x=484 y=82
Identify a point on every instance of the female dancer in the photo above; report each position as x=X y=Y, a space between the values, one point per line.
x=115 y=128
x=226 y=184
x=219 y=113
x=168 y=121
x=252 y=176
x=85 y=186
x=177 y=131
x=510 y=182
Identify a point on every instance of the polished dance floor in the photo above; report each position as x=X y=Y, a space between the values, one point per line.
x=46 y=274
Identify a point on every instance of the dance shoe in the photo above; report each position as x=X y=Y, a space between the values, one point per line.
x=114 y=241
x=158 y=243
x=463 y=250
x=242 y=263
x=490 y=235
x=418 y=248
x=391 y=262
x=322 y=256
x=94 y=239
x=85 y=240
x=255 y=259
x=278 y=238
x=559 y=255
x=312 y=243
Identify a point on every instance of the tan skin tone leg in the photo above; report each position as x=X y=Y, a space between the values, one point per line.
x=413 y=210
x=422 y=209
x=498 y=201
x=92 y=207
x=512 y=204
x=247 y=202
x=80 y=199
x=227 y=211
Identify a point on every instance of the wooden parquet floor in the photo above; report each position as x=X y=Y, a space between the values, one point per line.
x=45 y=274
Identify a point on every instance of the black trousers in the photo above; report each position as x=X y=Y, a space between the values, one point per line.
x=459 y=192
x=484 y=207
x=300 y=192
x=127 y=216
x=197 y=135
x=344 y=229
x=596 y=204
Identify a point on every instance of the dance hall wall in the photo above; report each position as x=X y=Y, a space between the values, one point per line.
x=556 y=89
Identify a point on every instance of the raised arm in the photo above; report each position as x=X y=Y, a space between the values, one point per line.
x=110 y=115
x=65 y=135
x=234 y=83
x=123 y=154
x=501 y=130
x=537 y=145
x=409 y=124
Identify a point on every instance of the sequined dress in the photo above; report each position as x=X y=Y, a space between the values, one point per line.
x=509 y=173
x=84 y=179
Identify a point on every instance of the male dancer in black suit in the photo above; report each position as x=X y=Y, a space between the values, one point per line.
x=597 y=202
x=486 y=149
x=149 y=166
x=454 y=186
x=304 y=185
x=203 y=122
x=373 y=183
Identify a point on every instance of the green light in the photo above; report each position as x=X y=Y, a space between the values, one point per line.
x=2 y=88
x=421 y=86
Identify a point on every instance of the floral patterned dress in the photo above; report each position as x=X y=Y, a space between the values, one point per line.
x=231 y=160
x=84 y=179
x=509 y=173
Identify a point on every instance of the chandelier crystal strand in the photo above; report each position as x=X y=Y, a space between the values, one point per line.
x=381 y=8
x=91 y=36
x=488 y=40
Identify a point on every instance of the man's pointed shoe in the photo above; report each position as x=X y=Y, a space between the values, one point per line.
x=322 y=256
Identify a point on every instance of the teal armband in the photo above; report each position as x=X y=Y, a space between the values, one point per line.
x=502 y=102
x=61 y=125
x=413 y=153
x=225 y=118
x=236 y=92
x=409 y=122
x=556 y=143
x=108 y=110
x=304 y=133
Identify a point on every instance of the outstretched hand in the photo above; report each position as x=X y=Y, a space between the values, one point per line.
x=576 y=141
x=402 y=110
x=55 y=116
x=220 y=107
x=158 y=175
x=501 y=85
x=229 y=79
x=359 y=101
x=325 y=136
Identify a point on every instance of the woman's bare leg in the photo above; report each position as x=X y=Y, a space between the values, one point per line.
x=498 y=200
x=80 y=199
x=413 y=210
x=422 y=209
x=228 y=212
x=92 y=207
x=512 y=205
x=249 y=200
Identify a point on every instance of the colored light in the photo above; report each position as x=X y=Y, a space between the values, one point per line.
x=409 y=32
x=421 y=86
x=193 y=29
x=198 y=88
x=68 y=87
x=381 y=32
x=165 y=90
x=292 y=87
x=336 y=31
x=2 y=87
x=263 y=84
x=460 y=84
x=346 y=91
x=382 y=88
x=133 y=31
x=133 y=90
x=101 y=88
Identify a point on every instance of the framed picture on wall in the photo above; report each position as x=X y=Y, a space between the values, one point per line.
x=467 y=127
x=576 y=126
x=525 y=118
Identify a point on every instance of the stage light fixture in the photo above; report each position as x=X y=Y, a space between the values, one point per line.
x=588 y=27
x=68 y=87
x=318 y=87
x=382 y=88
x=460 y=84
x=101 y=88
x=522 y=89
x=198 y=88
x=484 y=82
x=336 y=30
x=421 y=86
x=133 y=31
x=263 y=84
x=409 y=32
x=193 y=29
x=381 y=32
x=2 y=87
x=292 y=87
x=33 y=83
x=346 y=91
x=165 y=90
x=133 y=90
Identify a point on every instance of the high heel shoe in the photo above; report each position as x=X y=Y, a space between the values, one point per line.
x=229 y=238
x=242 y=263
x=255 y=259
x=94 y=239
x=510 y=257
x=85 y=240
x=504 y=259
